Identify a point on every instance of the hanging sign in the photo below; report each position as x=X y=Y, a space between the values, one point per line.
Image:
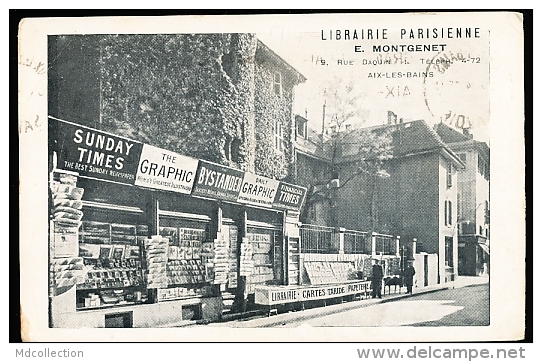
x=258 y=190
x=101 y=155
x=217 y=182
x=94 y=153
x=166 y=170
x=289 y=196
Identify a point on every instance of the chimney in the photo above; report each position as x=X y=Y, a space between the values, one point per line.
x=323 y=117
x=392 y=118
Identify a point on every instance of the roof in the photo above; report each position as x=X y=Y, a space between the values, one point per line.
x=416 y=138
x=275 y=58
x=458 y=141
x=313 y=145
x=450 y=135
x=409 y=138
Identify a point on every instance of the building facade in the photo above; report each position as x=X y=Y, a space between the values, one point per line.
x=313 y=168
x=472 y=199
x=225 y=98
x=413 y=196
x=166 y=153
x=415 y=199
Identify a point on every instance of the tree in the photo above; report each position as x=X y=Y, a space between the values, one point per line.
x=353 y=151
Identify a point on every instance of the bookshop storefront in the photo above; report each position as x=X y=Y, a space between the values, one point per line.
x=144 y=237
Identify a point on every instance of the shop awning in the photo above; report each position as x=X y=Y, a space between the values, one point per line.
x=484 y=247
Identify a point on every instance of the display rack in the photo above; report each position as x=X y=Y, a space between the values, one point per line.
x=293 y=260
x=186 y=270
x=112 y=257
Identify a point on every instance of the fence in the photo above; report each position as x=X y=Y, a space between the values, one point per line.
x=357 y=242
x=317 y=239
x=328 y=240
x=384 y=244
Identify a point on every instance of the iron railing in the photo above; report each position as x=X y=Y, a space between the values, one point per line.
x=326 y=240
x=317 y=239
x=385 y=244
x=357 y=242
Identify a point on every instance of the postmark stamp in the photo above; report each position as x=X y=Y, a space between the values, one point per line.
x=457 y=94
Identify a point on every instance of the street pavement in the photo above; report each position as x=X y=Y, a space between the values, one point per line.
x=472 y=306
x=462 y=302
x=466 y=306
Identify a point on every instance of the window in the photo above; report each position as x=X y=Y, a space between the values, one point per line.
x=232 y=149
x=486 y=212
x=301 y=128
x=279 y=136
x=482 y=166
x=312 y=212
x=277 y=84
x=227 y=147
x=236 y=150
x=481 y=230
x=449 y=175
x=448 y=213
x=450 y=219
x=459 y=202
x=448 y=251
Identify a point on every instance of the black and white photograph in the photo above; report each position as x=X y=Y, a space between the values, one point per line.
x=307 y=177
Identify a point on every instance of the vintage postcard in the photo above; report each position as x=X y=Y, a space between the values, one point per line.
x=313 y=177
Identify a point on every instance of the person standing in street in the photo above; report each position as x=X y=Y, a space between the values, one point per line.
x=377 y=276
x=409 y=276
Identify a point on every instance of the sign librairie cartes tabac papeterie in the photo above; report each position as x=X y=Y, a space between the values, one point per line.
x=271 y=295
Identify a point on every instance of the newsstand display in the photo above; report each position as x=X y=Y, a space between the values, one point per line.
x=185 y=224
x=138 y=236
x=111 y=238
x=113 y=268
x=266 y=257
x=185 y=271
x=66 y=268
